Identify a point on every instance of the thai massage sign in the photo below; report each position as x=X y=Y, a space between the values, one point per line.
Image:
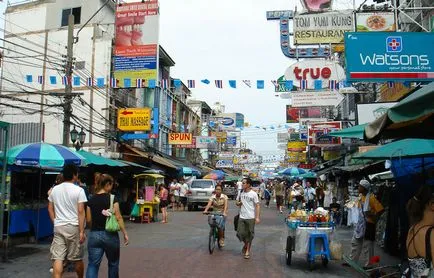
x=316 y=72
x=328 y=27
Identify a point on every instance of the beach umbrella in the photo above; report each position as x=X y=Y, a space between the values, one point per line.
x=43 y=155
x=308 y=175
x=215 y=175
x=292 y=171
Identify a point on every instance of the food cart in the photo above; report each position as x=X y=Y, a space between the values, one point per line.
x=309 y=235
x=148 y=201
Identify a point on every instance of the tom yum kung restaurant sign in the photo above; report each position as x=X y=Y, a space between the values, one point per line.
x=329 y=27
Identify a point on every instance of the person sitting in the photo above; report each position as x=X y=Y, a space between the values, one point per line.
x=420 y=239
x=219 y=202
x=335 y=211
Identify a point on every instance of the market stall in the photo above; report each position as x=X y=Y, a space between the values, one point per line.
x=32 y=169
x=147 y=194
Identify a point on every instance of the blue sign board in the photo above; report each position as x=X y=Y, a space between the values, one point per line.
x=389 y=56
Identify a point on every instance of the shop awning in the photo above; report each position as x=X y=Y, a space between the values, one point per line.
x=93 y=159
x=351 y=132
x=155 y=158
x=155 y=176
x=412 y=117
x=401 y=149
x=134 y=164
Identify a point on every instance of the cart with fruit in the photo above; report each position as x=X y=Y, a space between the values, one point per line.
x=301 y=225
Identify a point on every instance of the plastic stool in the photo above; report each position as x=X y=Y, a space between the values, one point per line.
x=324 y=250
x=146 y=216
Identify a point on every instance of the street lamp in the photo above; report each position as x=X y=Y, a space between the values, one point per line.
x=77 y=138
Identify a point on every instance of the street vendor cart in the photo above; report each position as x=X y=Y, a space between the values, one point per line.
x=310 y=239
x=148 y=201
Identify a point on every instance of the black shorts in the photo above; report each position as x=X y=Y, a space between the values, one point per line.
x=279 y=200
x=370 y=231
x=183 y=200
x=164 y=203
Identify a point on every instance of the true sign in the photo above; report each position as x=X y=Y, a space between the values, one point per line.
x=134 y=119
x=180 y=139
x=312 y=70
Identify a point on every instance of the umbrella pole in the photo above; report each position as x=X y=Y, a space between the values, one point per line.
x=38 y=206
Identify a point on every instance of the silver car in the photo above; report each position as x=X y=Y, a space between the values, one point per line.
x=199 y=193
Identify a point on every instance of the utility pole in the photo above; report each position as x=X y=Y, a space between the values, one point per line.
x=67 y=106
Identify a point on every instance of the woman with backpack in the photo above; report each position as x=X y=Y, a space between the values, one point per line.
x=100 y=207
x=420 y=239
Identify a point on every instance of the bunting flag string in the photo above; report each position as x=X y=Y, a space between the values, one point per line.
x=100 y=82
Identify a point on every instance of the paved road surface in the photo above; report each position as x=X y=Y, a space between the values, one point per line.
x=180 y=249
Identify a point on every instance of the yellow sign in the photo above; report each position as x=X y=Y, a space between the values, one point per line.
x=180 y=138
x=134 y=119
x=296 y=146
x=221 y=136
x=330 y=155
x=296 y=157
x=393 y=94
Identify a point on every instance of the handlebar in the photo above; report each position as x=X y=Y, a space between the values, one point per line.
x=213 y=213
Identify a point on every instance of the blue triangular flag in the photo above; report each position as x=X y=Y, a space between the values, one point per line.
x=76 y=81
x=177 y=83
x=127 y=82
x=152 y=83
x=233 y=84
x=318 y=84
x=260 y=84
x=53 y=80
x=289 y=84
x=205 y=81
x=100 y=82
x=29 y=78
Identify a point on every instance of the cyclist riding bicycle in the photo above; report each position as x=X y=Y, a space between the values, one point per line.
x=219 y=202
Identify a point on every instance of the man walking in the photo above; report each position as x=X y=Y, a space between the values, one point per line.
x=66 y=210
x=279 y=192
x=364 y=233
x=249 y=216
x=309 y=197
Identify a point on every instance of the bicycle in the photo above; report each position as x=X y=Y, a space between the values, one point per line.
x=214 y=232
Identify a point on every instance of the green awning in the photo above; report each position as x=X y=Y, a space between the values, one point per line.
x=100 y=160
x=351 y=132
x=400 y=149
x=232 y=178
x=308 y=175
x=412 y=117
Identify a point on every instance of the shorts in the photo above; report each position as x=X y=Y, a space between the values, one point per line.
x=370 y=231
x=183 y=200
x=279 y=200
x=176 y=199
x=246 y=230
x=66 y=244
x=164 y=203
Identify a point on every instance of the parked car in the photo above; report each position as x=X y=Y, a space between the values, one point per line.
x=199 y=193
x=230 y=190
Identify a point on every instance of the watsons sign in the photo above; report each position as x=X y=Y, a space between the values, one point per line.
x=327 y=27
x=389 y=56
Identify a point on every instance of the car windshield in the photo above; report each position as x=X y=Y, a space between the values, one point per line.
x=201 y=184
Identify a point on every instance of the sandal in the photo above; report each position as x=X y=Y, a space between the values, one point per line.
x=246 y=256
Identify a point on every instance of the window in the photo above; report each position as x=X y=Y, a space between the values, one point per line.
x=74 y=11
x=202 y=184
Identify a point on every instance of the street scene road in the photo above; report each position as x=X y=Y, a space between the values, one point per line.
x=180 y=249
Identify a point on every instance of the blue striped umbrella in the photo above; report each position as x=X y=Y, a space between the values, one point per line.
x=43 y=155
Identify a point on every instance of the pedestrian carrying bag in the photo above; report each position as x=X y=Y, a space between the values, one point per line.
x=111 y=223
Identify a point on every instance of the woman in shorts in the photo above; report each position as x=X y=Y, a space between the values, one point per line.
x=164 y=202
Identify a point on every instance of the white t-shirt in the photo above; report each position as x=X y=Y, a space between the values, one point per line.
x=183 y=190
x=309 y=194
x=249 y=201
x=65 y=198
x=240 y=186
x=174 y=187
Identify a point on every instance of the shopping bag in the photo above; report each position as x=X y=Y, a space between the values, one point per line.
x=135 y=211
x=111 y=223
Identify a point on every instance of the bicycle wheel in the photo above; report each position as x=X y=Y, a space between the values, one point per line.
x=211 y=241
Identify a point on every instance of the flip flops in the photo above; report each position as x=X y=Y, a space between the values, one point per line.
x=246 y=256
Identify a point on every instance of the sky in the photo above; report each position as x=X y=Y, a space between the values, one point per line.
x=227 y=39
